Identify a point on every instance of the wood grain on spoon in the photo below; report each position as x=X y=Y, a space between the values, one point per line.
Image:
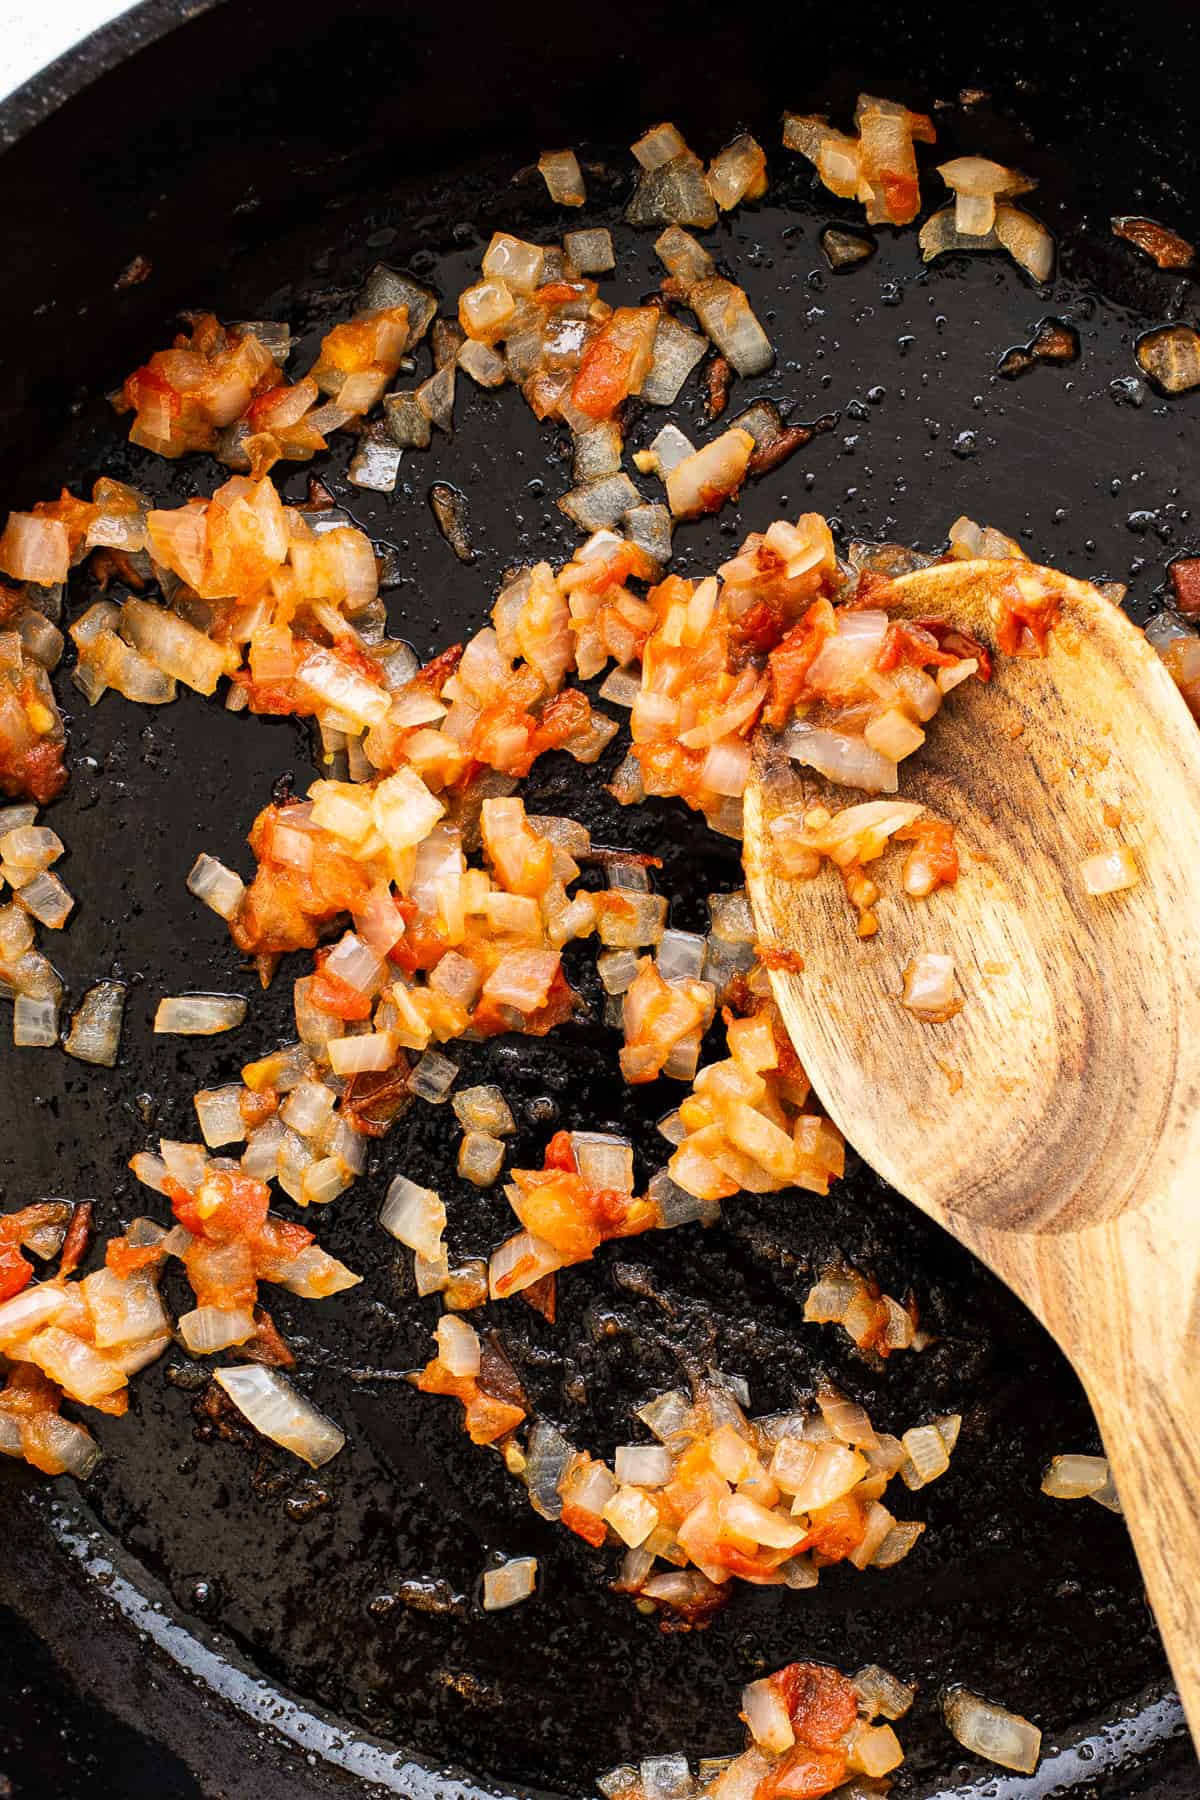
x=1053 y=1124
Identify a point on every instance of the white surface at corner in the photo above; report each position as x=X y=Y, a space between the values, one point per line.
x=34 y=32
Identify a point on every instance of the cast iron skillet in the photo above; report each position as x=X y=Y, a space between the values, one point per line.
x=204 y=1619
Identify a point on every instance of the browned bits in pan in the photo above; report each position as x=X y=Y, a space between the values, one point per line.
x=1166 y=248
x=718 y=375
x=1185 y=582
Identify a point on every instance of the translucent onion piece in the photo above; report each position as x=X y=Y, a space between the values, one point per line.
x=35 y=1023
x=673 y=193
x=641 y=921
x=726 y=318
x=1027 y=241
x=480 y=1158
x=929 y=987
x=597 y=451
x=274 y=1408
x=591 y=252
x=661 y=144
x=675 y=1205
x=432 y=1077
x=210 y=1328
x=70 y=1444
x=560 y=171
x=124 y=1310
x=651 y=528
x=1075 y=1477
x=547 y=1454
x=80 y=1370
x=600 y=503
x=991 y=1732
x=632 y=1516
x=604 y=1161
x=927 y=1456
x=375 y=466
x=665 y=1415
x=849 y=761
x=28 y=1311
x=218 y=887
x=514 y=1581
x=415 y=1216
x=519 y=265
x=680 y=955
x=405 y=419
x=643 y=1465
x=315 y=1275
x=518 y=1262
x=458 y=1345
x=940 y=233
x=484 y=1109
x=46 y=899
x=882 y=1694
x=1110 y=872
x=676 y=353
x=732 y=917
x=174 y=646
x=766 y=1715
x=95 y=1032
x=199 y=1015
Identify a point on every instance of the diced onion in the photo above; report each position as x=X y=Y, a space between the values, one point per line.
x=929 y=987
x=207 y=1329
x=1075 y=1477
x=849 y=761
x=484 y=1109
x=766 y=1715
x=432 y=1077
x=514 y=1581
x=95 y=1031
x=218 y=887
x=199 y=1015
x=643 y=1465
x=882 y=1694
x=28 y=1311
x=458 y=1345
x=415 y=1216
x=274 y=1408
x=518 y=1262
x=992 y=1732
x=1110 y=872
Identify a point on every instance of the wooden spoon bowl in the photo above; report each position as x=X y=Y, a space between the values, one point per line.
x=1053 y=1123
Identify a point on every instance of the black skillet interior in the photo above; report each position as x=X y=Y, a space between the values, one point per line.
x=262 y=159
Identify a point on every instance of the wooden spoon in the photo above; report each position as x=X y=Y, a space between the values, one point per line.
x=1053 y=1124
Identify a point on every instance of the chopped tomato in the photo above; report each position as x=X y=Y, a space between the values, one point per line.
x=934 y=844
x=791 y=660
x=837 y=1529
x=803 y=1774
x=15 y=1270
x=125 y=1259
x=960 y=643
x=487 y=1418
x=902 y=197
x=911 y=643
x=241 y=1209
x=559 y=1154
x=1024 y=624
x=35 y=771
x=330 y=994
x=822 y=1704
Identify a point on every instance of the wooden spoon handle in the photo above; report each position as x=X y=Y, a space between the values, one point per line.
x=1151 y=1433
